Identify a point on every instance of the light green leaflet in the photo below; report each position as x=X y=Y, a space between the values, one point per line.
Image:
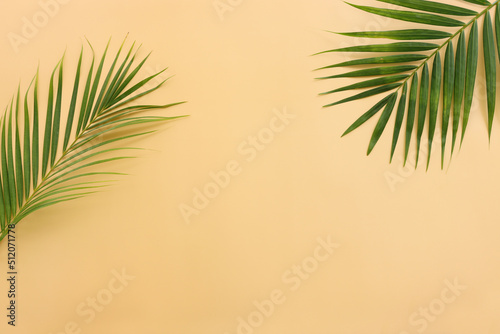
x=43 y=166
x=430 y=69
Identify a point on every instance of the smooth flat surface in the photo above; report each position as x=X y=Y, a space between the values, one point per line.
x=399 y=245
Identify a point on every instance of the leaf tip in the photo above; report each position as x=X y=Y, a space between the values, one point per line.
x=317 y=53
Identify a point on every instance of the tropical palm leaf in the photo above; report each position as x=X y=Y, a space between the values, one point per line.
x=45 y=166
x=448 y=87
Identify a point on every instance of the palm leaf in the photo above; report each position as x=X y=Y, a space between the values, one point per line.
x=430 y=89
x=41 y=167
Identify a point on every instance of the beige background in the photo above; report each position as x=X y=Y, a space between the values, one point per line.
x=399 y=242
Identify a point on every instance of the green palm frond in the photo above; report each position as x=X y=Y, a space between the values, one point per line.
x=45 y=163
x=431 y=71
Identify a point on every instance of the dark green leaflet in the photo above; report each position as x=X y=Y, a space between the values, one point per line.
x=448 y=85
x=391 y=47
x=370 y=83
x=433 y=7
x=57 y=116
x=382 y=122
x=458 y=93
x=479 y=2
x=407 y=34
x=72 y=108
x=367 y=93
x=490 y=68
x=399 y=120
x=367 y=115
x=26 y=147
x=423 y=101
x=35 y=139
x=405 y=58
x=412 y=104
x=410 y=16
x=373 y=71
x=434 y=101
x=470 y=75
x=18 y=152
x=48 y=124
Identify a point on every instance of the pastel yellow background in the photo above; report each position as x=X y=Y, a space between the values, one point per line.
x=401 y=243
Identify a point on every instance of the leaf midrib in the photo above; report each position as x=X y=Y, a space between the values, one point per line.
x=476 y=17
